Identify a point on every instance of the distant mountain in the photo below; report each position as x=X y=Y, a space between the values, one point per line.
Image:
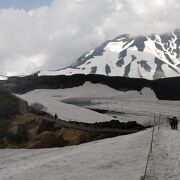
x=124 y=63
x=150 y=57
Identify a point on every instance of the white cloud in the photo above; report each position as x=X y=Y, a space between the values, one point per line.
x=54 y=37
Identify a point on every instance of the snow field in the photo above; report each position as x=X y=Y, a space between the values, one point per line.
x=120 y=158
x=117 y=158
x=126 y=106
x=164 y=161
x=101 y=95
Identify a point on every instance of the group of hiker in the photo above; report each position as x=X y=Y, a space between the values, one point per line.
x=173 y=123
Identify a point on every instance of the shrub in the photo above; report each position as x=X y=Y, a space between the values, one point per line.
x=9 y=105
x=39 y=107
x=19 y=135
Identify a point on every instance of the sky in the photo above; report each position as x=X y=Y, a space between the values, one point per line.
x=25 y=4
x=41 y=35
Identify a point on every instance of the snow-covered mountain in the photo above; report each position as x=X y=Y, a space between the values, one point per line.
x=149 y=57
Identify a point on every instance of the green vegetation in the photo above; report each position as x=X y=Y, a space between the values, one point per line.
x=9 y=106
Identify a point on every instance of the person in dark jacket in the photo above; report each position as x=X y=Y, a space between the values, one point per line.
x=56 y=116
x=173 y=123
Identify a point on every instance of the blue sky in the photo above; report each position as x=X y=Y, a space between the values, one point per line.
x=25 y=4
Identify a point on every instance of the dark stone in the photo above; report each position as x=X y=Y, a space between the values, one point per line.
x=97 y=52
x=122 y=55
x=144 y=64
x=127 y=70
x=93 y=70
x=158 y=46
x=159 y=72
x=168 y=58
x=166 y=37
x=139 y=43
x=107 y=69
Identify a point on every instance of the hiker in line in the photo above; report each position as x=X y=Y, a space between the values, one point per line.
x=170 y=122
x=56 y=116
x=173 y=123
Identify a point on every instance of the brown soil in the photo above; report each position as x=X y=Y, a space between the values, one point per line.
x=32 y=131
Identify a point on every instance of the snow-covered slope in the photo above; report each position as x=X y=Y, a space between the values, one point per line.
x=164 y=162
x=67 y=102
x=120 y=158
x=3 y=78
x=149 y=57
x=75 y=104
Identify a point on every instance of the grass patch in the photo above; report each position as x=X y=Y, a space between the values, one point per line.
x=9 y=107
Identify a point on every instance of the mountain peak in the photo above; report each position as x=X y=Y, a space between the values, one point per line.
x=150 y=57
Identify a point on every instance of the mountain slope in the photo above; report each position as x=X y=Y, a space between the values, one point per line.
x=149 y=57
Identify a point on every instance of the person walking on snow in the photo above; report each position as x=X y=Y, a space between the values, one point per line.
x=170 y=122
x=175 y=123
x=56 y=116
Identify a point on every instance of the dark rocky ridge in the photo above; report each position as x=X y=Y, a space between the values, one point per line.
x=165 y=89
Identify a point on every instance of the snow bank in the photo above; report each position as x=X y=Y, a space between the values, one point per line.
x=126 y=106
x=104 y=95
x=51 y=100
x=164 y=162
x=120 y=158
x=144 y=94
